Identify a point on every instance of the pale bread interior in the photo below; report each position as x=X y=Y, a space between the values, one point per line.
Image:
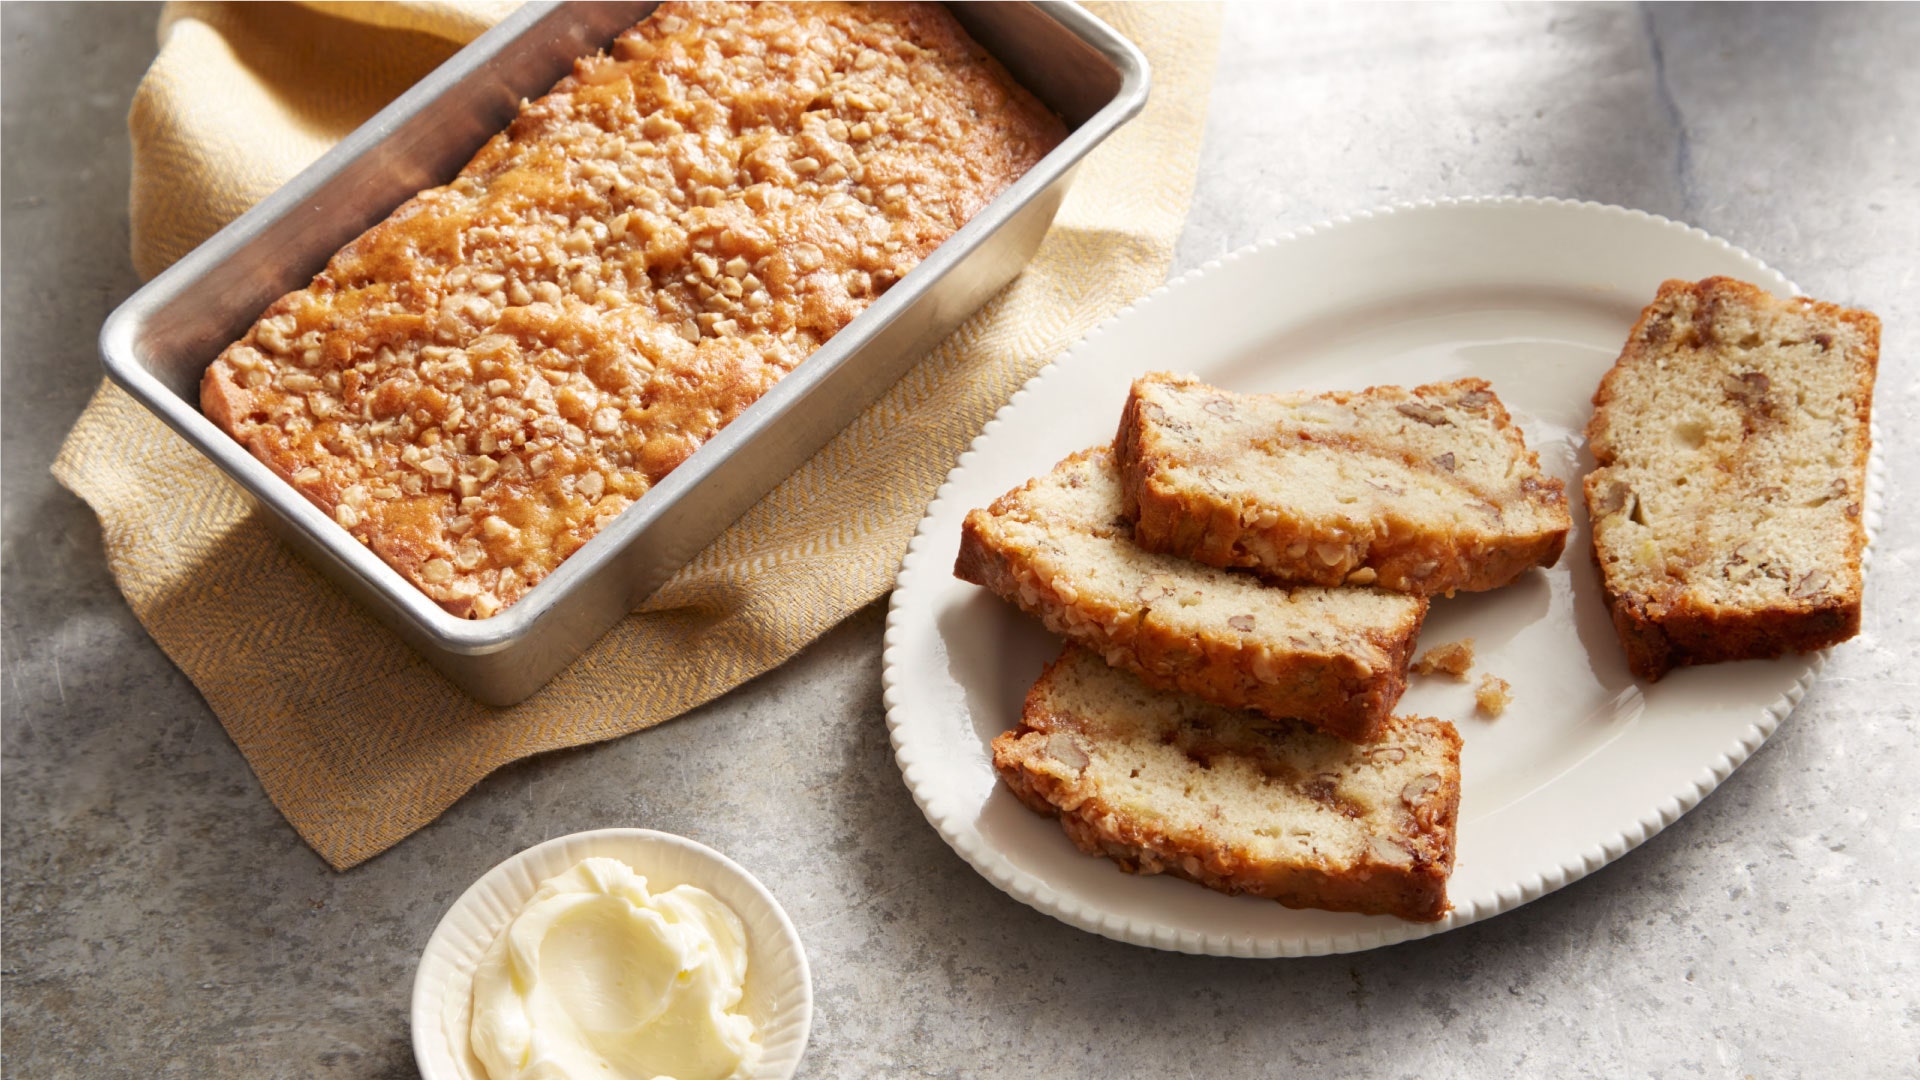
x=1275 y=791
x=1439 y=459
x=1732 y=451
x=1083 y=550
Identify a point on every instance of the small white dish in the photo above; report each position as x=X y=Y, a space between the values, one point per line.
x=1534 y=295
x=779 y=989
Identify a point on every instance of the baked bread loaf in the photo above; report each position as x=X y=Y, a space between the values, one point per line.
x=1166 y=783
x=1060 y=549
x=1730 y=445
x=1425 y=491
x=480 y=383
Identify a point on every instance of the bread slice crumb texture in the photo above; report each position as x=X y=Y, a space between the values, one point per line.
x=1060 y=549
x=1430 y=490
x=1165 y=783
x=1731 y=442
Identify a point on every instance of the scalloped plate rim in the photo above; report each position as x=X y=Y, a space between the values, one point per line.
x=1029 y=889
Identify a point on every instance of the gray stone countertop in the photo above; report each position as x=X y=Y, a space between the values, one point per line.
x=161 y=919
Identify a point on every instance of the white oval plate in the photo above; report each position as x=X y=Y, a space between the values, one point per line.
x=1534 y=295
x=779 y=990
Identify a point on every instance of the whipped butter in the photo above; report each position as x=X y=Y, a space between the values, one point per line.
x=598 y=977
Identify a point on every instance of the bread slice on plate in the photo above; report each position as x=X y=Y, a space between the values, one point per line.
x=1059 y=548
x=1166 y=783
x=1730 y=444
x=1427 y=491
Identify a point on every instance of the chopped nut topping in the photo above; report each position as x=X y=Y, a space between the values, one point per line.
x=650 y=249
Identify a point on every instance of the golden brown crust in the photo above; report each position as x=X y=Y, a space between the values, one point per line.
x=1346 y=686
x=1517 y=524
x=480 y=383
x=1343 y=694
x=1417 y=893
x=1663 y=602
x=1402 y=872
x=1659 y=634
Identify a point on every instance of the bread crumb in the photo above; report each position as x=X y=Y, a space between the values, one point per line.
x=1455 y=658
x=1493 y=695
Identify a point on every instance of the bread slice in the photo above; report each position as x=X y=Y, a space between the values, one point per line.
x=1730 y=442
x=1425 y=491
x=1060 y=549
x=1166 y=783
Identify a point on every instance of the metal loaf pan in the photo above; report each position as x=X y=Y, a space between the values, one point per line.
x=158 y=343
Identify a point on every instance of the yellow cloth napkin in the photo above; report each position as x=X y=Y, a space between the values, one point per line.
x=354 y=737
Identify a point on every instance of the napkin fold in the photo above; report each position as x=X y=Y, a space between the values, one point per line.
x=355 y=738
